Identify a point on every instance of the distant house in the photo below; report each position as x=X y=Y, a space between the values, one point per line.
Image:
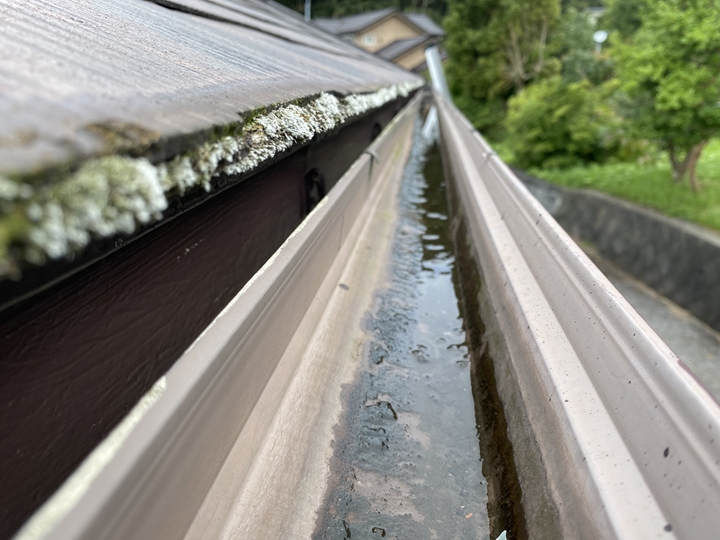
x=399 y=37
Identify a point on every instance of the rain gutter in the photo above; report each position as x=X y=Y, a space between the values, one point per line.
x=600 y=409
x=153 y=479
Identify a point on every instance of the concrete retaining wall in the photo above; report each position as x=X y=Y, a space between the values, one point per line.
x=679 y=260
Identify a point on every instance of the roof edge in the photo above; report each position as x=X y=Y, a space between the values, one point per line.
x=120 y=194
x=396 y=12
x=425 y=39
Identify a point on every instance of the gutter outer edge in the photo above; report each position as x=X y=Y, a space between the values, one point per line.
x=604 y=395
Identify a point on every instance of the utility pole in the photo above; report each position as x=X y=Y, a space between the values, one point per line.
x=307 y=10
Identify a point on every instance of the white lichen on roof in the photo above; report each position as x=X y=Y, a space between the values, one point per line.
x=273 y=133
x=104 y=197
x=114 y=194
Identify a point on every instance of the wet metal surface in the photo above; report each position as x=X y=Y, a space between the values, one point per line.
x=407 y=462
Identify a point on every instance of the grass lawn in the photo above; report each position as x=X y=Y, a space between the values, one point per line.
x=651 y=185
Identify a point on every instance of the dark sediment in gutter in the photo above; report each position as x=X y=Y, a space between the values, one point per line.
x=406 y=461
x=78 y=356
x=518 y=498
x=505 y=509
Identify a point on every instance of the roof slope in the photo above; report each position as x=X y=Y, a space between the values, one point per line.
x=357 y=23
x=353 y=23
x=70 y=65
x=425 y=23
x=110 y=110
x=401 y=46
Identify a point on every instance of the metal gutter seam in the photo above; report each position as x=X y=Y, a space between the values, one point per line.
x=158 y=479
x=627 y=436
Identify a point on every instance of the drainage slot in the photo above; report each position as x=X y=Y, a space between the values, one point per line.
x=314 y=189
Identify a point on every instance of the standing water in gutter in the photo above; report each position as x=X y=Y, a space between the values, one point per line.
x=406 y=463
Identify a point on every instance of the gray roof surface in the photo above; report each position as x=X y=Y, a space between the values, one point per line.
x=356 y=23
x=401 y=46
x=425 y=23
x=165 y=70
x=353 y=23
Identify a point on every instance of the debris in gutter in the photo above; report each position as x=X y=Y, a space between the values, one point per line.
x=115 y=194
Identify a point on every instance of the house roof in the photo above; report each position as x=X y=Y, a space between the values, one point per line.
x=397 y=48
x=353 y=23
x=425 y=23
x=110 y=110
x=167 y=71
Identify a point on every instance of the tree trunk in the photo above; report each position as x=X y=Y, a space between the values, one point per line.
x=541 y=48
x=517 y=60
x=692 y=160
x=678 y=167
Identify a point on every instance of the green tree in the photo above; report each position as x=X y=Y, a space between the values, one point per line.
x=670 y=71
x=623 y=16
x=575 y=48
x=496 y=48
x=581 y=4
x=554 y=124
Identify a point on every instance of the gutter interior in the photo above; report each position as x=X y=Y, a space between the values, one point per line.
x=421 y=449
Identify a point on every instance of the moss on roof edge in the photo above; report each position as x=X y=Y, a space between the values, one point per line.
x=116 y=194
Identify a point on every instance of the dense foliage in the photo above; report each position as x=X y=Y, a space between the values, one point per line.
x=527 y=73
x=624 y=16
x=496 y=48
x=553 y=124
x=574 y=46
x=670 y=70
x=531 y=71
x=566 y=119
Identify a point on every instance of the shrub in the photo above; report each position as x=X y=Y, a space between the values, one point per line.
x=555 y=125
